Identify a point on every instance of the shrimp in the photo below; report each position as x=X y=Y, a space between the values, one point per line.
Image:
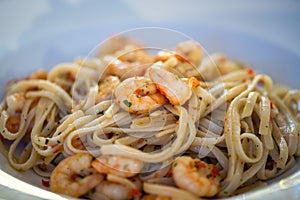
x=106 y=86
x=113 y=190
x=127 y=60
x=188 y=56
x=133 y=53
x=196 y=176
x=39 y=74
x=170 y=85
x=138 y=95
x=118 y=165
x=190 y=51
x=15 y=102
x=124 y=69
x=74 y=177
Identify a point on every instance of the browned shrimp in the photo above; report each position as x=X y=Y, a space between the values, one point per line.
x=106 y=87
x=196 y=176
x=190 y=51
x=118 y=165
x=170 y=85
x=114 y=190
x=125 y=58
x=124 y=69
x=188 y=56
x=74 y=176
x=138 y=95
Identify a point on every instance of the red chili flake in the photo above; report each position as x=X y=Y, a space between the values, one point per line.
x=250 y=71
x=215 y=172
x=74 y=177
x=135 y=192
x=45 y=183
x=170 y=173
x=200 y=164
x=285 y=137
x=139 y=91
x=271 y=105
x=71 y=76
x=140 y=141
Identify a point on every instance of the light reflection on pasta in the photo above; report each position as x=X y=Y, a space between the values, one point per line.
x=130 y=125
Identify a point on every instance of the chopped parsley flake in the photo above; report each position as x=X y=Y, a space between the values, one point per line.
x=127 y=103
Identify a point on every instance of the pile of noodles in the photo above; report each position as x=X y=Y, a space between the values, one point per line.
x=236 y=119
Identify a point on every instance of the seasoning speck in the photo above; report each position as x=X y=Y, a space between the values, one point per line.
x=127 y=103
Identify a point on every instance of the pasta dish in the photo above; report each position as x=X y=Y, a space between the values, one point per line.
x=127 y=124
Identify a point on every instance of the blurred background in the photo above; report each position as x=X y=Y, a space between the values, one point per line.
x=23 y=22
